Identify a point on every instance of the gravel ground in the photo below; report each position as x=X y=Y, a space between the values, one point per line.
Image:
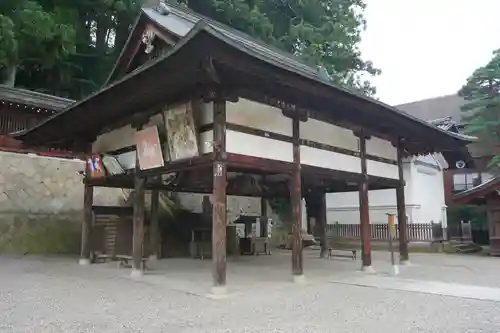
x=55 y=295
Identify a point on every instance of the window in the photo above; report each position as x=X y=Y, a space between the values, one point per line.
x=465 y=181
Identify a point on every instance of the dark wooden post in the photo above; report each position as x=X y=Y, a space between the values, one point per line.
x=401 y=205
x=138 y=217
x=296 y=205
x=219 y=215
x=154 y=229
x=322 y=222
x=364 y=212
x=88 y=198
x=263 y=216
x=316 y=208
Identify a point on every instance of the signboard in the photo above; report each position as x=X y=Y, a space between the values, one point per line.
x=149 y=148
x=95 y=167
x=392 y=225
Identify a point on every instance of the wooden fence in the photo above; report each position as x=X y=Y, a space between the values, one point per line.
x=416 y=232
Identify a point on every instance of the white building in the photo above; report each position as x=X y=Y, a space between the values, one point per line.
x=424 y=196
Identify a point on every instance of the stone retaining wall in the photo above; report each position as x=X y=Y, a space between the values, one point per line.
x=41 y=203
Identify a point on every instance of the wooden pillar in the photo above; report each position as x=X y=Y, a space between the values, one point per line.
x=154 y=228
x=296 y=205
x=316 y=208
x=322 y=222
x=138 y=221
x=219 y=215
x=401 y=205
x=263 y=217
x=364 y=211
x=88 y=198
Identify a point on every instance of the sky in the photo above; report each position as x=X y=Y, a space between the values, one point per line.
x=428 y=48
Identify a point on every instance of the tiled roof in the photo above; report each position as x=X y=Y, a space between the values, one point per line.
x=33 y=98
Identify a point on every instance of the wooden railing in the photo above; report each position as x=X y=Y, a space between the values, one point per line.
x=416 y=232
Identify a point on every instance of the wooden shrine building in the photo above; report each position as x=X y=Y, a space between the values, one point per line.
x=21 y=109
x=487 y=194
x=207 y=106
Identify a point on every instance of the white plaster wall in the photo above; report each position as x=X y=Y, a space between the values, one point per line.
x=380 y=169
x=206 y=140
x=424 y=196
x=319 y=131
x=257 y=146
x=428 y=189
x=115 y=139
x=381 y=148
x=206 y=114
x=329 y=160
x=259 y=116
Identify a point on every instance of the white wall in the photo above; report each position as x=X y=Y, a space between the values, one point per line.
x=424 y=196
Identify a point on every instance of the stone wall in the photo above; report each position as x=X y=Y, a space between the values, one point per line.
x=41 y=203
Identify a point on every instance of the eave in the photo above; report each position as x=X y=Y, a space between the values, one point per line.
x=33 y=99
x=149 y=87
x=478 y=192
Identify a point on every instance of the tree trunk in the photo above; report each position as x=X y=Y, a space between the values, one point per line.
x=10 y=76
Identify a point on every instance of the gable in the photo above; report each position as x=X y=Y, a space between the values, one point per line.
x=147 y=41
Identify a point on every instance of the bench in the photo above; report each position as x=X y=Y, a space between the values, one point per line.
x=351 y=255
x=123 y=261
x=101 y=257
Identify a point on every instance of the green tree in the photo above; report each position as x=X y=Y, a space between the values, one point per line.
x=101 y=28
x=324 y=33
x=31 y=38
x=482 y=108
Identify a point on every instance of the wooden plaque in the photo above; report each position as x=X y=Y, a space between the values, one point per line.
x=149 y=148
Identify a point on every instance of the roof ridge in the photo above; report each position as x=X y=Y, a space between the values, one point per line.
x=177 y=9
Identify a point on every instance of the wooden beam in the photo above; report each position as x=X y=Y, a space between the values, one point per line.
x=296 y=197
x=401 y=206
x=364 y=212
x=219 y=215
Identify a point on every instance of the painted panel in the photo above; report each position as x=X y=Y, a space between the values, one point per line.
x=381 y=148
x=259 y=116
x=329 y=160
x=115 y=139
x=319 y=131
x=182 y=140
x=121 y=137
x=252 y=145
x=380 y=169
x=206 y=142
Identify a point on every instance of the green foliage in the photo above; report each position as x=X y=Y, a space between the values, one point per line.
x=68 y=48
x=475 y=214
x=325 y=33
x=482 y=110
x=31 y=37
